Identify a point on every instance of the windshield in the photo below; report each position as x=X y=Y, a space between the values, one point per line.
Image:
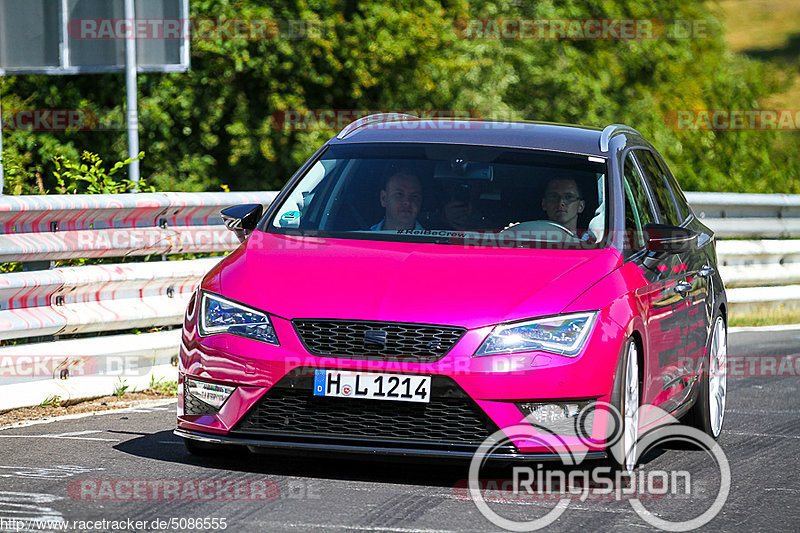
x=449 y=194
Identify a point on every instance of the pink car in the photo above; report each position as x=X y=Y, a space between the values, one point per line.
x=419 y=285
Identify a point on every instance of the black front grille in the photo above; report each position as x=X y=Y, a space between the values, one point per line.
x=290 y=411
x=192 y=405
x=390 y=341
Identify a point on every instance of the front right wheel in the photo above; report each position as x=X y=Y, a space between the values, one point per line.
x=624 y=435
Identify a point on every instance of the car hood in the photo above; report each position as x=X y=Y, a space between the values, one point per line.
x=302 y=277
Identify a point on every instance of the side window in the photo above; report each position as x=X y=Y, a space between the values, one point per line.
x=680 y=198
x=300 y=207
x=638 y=210
x=660 y=187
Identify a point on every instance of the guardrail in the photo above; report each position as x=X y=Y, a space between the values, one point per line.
x=113 y=297
x=762 y=272
x=34 y=228
x=105 y=297
x=87 y=299
x=750 y=216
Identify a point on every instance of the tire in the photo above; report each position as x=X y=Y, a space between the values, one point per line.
x=626 y=398
x=708 y=412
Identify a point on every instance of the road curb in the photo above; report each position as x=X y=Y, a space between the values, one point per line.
x=778 y=327
x=136 y=404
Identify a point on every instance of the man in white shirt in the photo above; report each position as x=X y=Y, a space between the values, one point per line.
x=401 y=196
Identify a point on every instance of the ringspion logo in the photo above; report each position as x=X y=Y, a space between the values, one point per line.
x=577 y=479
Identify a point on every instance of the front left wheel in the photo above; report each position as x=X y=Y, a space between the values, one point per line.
x=708 y=412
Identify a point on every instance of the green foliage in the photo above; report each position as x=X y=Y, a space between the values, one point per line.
x=121 y=387
x=84 y=176
x=53 y=400
x=10 y=267
x=89 y=176
x=19 y=179
x=220 y=122
x=163 y=386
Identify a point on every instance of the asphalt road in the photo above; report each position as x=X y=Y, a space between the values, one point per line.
x=127 y=466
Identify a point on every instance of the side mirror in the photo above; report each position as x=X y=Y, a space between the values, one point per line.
x=242 y=219
x=666 y=239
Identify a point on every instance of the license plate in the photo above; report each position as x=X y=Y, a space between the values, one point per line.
x=373 y=386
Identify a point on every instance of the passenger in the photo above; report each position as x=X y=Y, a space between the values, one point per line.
x=457 y=209
x=401 y=196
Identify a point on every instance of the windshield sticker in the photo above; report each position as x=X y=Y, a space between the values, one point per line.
x=290 y=219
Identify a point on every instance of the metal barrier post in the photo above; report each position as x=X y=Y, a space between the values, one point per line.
x=2 y=175
x=132 y=93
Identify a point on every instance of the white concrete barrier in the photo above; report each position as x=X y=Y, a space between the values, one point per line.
x=75 y=369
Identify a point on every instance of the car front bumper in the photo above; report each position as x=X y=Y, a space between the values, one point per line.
x=323 y=447
x=487 y=389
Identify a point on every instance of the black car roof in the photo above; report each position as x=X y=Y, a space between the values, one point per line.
x=537 y=135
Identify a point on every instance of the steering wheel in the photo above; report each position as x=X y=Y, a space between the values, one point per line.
x=540 y=225
x=559 y=226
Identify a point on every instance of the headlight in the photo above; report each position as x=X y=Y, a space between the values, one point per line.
x=220 y=315
x=562 y=334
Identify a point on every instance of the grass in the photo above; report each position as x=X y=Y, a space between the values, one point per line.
x=769 y=31
x=51 y=401
x=120 y=387
x=764 y=317
x=163 y=386
x=760 y=24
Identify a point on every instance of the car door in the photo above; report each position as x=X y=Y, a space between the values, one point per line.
x=658 y=298
x=699 y=273
x=690 y=304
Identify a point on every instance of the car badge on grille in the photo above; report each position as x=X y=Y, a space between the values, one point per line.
x=375 y=336
x=434 y=345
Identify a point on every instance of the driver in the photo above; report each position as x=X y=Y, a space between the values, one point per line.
x=401 y=197
x=563 y=202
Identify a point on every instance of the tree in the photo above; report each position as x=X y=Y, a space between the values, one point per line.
x=225 y=122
